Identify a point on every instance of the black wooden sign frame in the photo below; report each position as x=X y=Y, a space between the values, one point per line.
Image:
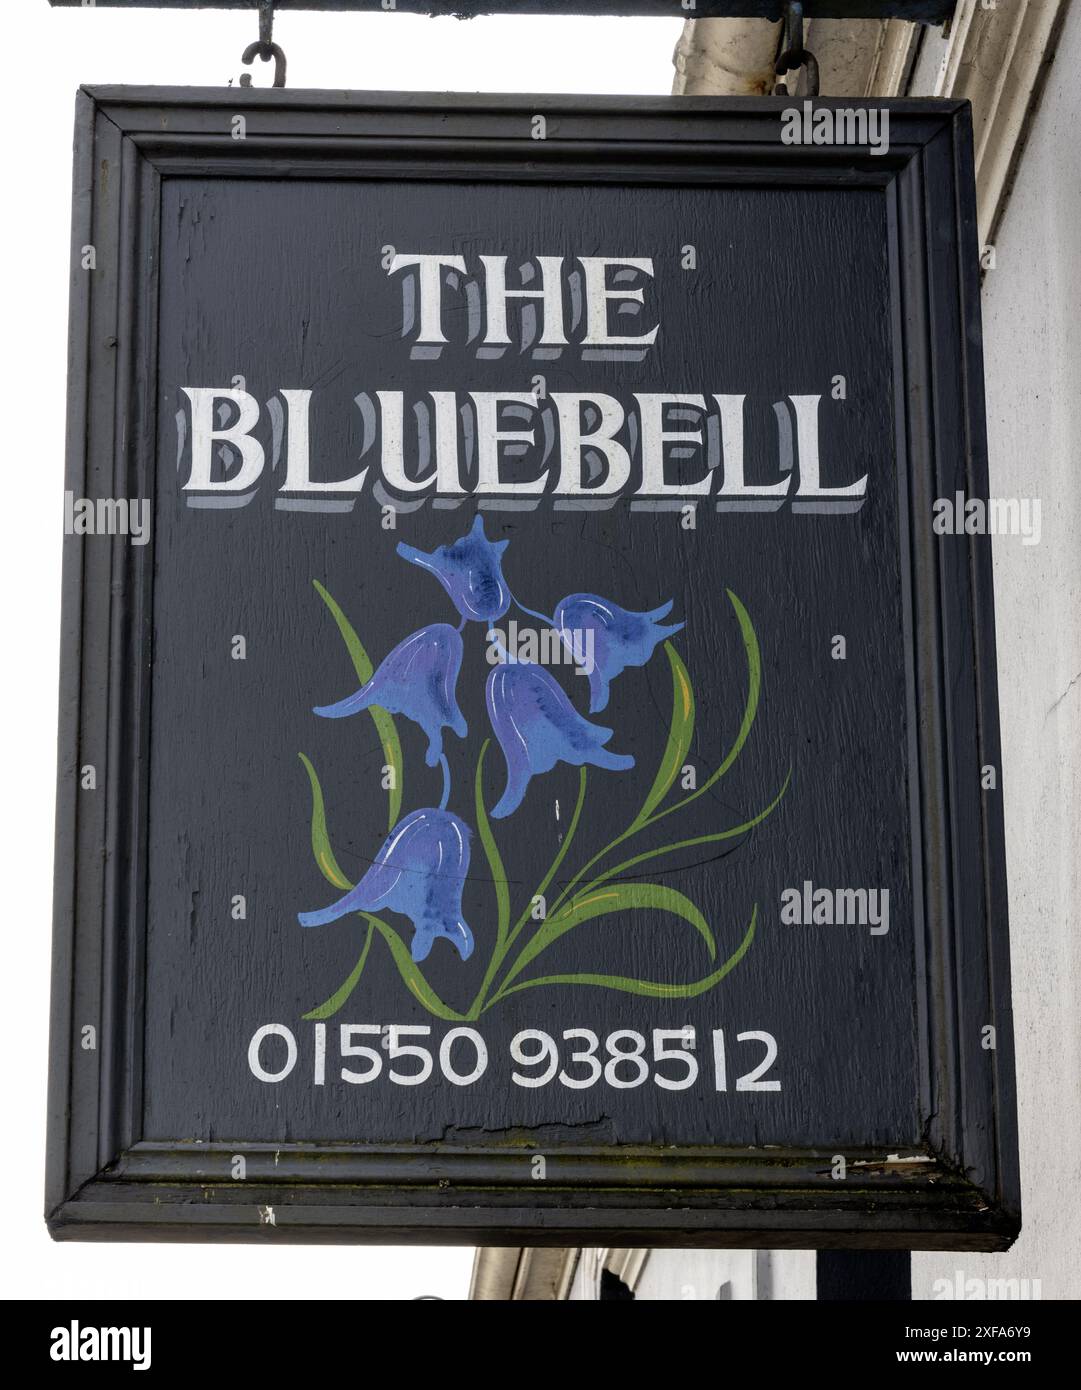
x=105 y=1181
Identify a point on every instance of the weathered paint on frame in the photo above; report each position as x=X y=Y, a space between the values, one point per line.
x=260 y=265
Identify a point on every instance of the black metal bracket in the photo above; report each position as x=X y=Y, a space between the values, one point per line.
x=919 y=11
x=264 y=47
x=793 y=55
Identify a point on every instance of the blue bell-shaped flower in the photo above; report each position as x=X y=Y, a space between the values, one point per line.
x=470 y=569
x=417 y=679
x=420 y=872
x=537 y=726
x=619 y=638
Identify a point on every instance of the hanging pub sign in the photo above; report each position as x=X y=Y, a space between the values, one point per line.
x=529 y=762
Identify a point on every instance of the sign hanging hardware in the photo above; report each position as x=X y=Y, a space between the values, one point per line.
x=915 y=11
x=264 y=47
x=794 y=56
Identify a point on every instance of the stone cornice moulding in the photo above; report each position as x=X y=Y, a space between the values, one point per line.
x=996 y=55
x=997 y=59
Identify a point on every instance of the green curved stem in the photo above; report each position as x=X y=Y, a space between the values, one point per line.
x=381 y=718
x=574 y=904
x=542 y=887
x=750 y=709
x=680 y=732
x=574 y=882
x=654 y=989
x=502 y=947
x=696 y=840
x=321 y=850
x=342 y=993
x=412 y=977
x=499 y=881
x=618 y=899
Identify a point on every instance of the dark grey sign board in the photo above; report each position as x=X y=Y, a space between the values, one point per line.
x=529 y=753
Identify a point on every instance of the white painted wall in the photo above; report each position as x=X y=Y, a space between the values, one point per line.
x=694 y=1275
x=709 y=1275
x=1032 y=346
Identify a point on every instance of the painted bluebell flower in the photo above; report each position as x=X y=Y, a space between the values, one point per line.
x=619 y=638
x=420 y=872
x=537 y=727
x=471 y=571
x=417 y=679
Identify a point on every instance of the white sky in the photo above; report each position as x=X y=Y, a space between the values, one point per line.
x=47 y=54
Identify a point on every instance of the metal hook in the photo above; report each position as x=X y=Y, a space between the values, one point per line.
x=794 y=56
x=786 y=64
x=264 y=47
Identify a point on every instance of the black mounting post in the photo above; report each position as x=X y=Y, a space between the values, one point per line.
x=794 y=56
x=864 y=1276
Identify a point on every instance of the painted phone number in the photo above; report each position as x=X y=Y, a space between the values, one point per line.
x=408 y=1055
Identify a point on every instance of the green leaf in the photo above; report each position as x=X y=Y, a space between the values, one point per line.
x=653 y=989
x=491 y=851
x=750 y=709
x=340 y=995
x=754 y=686
x=679 y=736
x=411 y=974
x=324 y=855
x=381 y=718
x=392 y=758
x=561 y=853
x=733 y=832
x=361 y=661
x=614 y=897
x=499 y=882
